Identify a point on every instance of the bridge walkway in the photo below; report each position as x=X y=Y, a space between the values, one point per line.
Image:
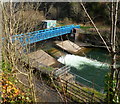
x=40 y=35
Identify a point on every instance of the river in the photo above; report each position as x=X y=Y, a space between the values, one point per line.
x=89 y=69
x=89 y=66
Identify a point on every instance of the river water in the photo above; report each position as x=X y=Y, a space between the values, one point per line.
x=89 y=66
x=89 y=69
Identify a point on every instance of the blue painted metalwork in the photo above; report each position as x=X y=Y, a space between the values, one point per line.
x=40 y=35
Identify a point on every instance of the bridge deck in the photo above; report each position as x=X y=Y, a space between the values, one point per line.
x=69 y=46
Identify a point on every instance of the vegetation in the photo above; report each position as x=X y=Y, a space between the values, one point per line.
x=76 y=92
x=74 y=12
x=47 y=68
x=24 y=17
x=96 y=93
x=11 y=90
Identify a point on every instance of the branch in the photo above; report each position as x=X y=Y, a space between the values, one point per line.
x=49 y=9
x=95 y=27
x=114 y=36
x=56 y=88
x=21 y=81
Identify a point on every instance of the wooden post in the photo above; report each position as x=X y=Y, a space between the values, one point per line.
x=66 y=86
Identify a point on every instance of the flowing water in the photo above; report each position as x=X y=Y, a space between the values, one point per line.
x=80 y=61
x=90 y=69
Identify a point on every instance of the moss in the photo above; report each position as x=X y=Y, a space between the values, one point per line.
x=47 y=68
x=96 y=93
x=6 y=67
x=86 y=27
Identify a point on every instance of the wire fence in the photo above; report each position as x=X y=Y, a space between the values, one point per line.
x=77 y=94
x=87 y=83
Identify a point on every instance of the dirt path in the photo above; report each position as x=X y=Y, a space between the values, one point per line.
x=43 y=92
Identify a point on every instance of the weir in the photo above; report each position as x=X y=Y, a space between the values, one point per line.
x=42 y=57
x=77 y=61
x=69 y=46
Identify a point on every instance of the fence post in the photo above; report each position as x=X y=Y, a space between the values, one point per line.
x=66 y=87
x=92 y=97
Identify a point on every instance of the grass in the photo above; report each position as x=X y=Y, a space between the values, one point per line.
x=88 y=93
x=96 y=93
x=86 y=27
x=79 y=94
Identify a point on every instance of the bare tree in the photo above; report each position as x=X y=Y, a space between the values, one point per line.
x=113 y=87
x=17 y=19
x=113 y=82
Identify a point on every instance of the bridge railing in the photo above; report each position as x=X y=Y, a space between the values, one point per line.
x=40 y=35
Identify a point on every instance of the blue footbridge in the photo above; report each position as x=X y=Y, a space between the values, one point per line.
x=40 y=35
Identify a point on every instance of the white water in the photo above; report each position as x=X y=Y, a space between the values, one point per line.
x=79 y=61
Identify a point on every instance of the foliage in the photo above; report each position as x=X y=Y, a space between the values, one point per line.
x=6 y=67
x=96 y=12
x=10 y=92
x=109 y=86
x=26 y=21
x=76 y=12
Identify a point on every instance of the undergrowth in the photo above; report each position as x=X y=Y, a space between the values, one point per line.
x=11 y=93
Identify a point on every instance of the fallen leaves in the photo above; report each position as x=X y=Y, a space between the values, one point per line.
x=10 y=93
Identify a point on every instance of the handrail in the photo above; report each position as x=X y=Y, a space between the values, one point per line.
x=61 y=70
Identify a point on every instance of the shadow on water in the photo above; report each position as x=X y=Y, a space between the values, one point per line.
x=98 y=54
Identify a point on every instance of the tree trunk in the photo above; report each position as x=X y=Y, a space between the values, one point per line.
x=112 y=94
